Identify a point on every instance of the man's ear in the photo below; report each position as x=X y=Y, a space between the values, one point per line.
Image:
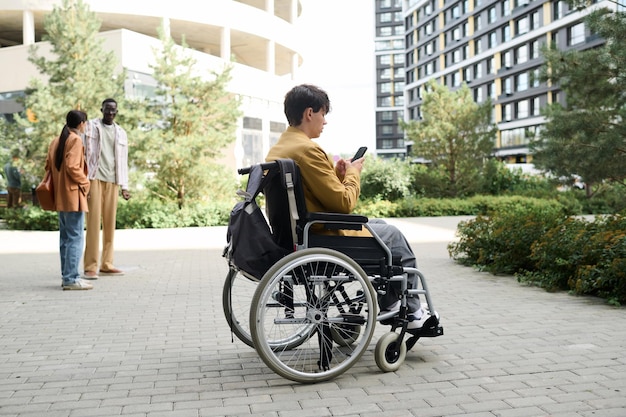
x=308 y=113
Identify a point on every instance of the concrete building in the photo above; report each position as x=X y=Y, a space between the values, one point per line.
x=259 y=35
x=494 y=47
x=390 y=57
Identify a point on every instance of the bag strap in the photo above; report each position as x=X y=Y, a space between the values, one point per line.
x=289 y=178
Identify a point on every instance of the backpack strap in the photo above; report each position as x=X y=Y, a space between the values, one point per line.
x=289 y=180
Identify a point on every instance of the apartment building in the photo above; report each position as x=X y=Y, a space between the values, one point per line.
x=390 y=56
x=494 y=47
x=258 y=36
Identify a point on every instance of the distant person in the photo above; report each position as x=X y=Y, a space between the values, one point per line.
x=336 y=188
x=13 y=174
x=66 y=160
x=107 y=158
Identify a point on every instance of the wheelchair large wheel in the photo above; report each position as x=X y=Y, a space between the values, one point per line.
x=236 y=299
x=316 y=287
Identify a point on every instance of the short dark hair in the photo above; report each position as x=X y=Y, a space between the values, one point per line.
x=109 y=100
x=300 y=98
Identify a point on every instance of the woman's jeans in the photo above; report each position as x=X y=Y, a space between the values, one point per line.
x=71 y=238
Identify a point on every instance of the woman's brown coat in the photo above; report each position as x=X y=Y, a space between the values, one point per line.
x=71 y=184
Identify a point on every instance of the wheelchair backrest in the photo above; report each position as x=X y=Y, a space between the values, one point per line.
x=284 y=201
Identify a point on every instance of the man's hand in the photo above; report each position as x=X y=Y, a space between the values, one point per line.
x=125 y=194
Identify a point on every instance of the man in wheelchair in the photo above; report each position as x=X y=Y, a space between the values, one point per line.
x=335 y=188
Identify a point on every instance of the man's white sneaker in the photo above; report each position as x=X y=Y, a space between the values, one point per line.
x=415 y=322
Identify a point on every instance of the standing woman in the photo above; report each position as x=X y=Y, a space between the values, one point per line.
x=66 y=160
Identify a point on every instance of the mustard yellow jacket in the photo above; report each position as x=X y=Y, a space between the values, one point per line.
x=324 y=191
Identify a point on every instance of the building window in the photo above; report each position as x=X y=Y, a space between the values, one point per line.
x=493 y=40
x=506 y=113
x=507 y=62
x=559 y=9
x=386 y=130
x=522 y=109
x=386 y=116
x=477 y=23
x=385 y=74
x=478 y=70
x=478 y=95
x=478 y=46
x=534 y=49
x=521 y=54
x=491 y=90
x=506 y=33
x=506 y=8
x=506 y=86
x=535 y=107
x=576 y=34
x=385 y=87
x=385 y=17
x=398 y=58
x=492 y=15
x=521 y=25
x=456 y=79
x=384 y=59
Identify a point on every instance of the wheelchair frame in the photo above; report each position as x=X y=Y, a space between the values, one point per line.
x=313 y=314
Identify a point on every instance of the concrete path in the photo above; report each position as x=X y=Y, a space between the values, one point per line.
x=155 y=343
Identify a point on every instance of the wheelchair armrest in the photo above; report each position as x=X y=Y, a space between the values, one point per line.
x=338 y=221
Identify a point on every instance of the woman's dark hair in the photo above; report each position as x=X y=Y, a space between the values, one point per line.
x=300 y=98
x=73 y=119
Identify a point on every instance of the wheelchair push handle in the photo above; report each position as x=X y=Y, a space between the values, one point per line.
x=264 y=166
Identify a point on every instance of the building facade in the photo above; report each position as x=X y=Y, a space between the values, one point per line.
x=258 y=37
x=494 y=47
x=390 y=82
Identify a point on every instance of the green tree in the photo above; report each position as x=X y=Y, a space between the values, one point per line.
x=77 y=74
x=455 y=134
x=587 y=136
x=191 y=120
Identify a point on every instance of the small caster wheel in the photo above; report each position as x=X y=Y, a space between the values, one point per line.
x=388 y=355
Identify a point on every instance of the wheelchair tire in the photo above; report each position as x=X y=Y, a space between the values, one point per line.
x=387 y=356
x=303 y=295
x=236 y=299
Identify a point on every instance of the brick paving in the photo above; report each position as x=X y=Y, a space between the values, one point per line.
x=155 y=343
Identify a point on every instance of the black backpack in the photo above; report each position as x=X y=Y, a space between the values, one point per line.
x=251 y=246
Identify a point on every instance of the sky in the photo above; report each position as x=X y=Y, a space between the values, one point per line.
x=339 y=58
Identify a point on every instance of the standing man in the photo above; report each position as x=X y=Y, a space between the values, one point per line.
x=106 y=150
x=14 y=181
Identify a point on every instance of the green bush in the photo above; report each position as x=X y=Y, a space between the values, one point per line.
x=145 y=213
x=557 y=254
x=383 y=179
x=30 y=218
x=602 y=270
x=501 y=241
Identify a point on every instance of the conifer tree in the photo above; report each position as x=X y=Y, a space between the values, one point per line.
x=454 y=135
x=77 y=74
x=586 y=135
x=188 y=124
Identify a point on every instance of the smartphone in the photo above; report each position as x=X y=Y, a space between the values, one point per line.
x=359 y=154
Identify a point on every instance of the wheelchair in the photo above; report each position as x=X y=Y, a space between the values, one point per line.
x=312 y=315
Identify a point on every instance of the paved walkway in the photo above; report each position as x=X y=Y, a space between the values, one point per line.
x=155 y=343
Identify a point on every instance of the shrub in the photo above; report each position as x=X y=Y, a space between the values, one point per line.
x=557 y=254
x=384 y=179
x=150 y=213
x=31 y=218
x=501 y=241
x=602 y=271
